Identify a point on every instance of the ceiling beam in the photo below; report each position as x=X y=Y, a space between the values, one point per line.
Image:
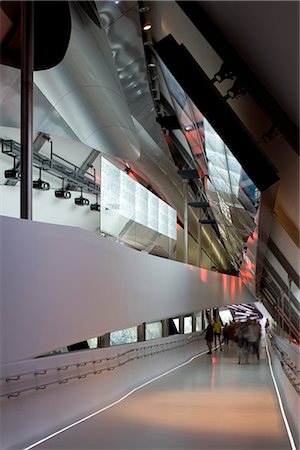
x=230 y=56
x=217 y=111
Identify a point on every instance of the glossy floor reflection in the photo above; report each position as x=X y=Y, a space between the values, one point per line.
x=211 y=403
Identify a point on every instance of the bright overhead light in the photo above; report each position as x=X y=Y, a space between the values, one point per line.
x=147 y=27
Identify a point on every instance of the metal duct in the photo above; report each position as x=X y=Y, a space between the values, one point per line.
x=85 y=90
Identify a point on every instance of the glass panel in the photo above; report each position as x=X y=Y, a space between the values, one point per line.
x=153 y=330
x=176 y=323
x=123 y=336
x=198 y=322
x=92 y=342
x=188 y=324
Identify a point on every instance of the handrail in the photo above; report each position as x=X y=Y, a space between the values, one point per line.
x=34 y=385
x=290 y=369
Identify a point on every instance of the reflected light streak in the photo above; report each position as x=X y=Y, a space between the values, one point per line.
x=232 y=290
x=133 y=176
x=240 y=285
x=203 y=275
x=224 y=280
x=213 y=374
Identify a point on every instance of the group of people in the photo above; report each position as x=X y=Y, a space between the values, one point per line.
x=246 y=335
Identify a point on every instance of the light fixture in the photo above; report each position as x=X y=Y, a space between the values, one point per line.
x=144 y=9
x=62 y=193
x=127 y=168
x=147 y=26
x=14 y=173
x=188 y=127
x=151 y=65
x=81 y=201
x=95 y=206
x=40 y=184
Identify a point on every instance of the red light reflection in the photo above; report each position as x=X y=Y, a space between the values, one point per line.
x=203 y=275
x=232 y=290
x=132 y=176
x=213 y=375
x=240 y=285
x=224 y=280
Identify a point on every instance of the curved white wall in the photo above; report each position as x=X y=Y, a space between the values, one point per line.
x=61 y=285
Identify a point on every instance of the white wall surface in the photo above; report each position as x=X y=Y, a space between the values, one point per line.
x=47 y=208
x=62 y=285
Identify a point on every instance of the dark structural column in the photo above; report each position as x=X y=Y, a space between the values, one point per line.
x=26 y=108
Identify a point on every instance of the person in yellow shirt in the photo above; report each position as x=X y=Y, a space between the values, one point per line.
x=217 y=326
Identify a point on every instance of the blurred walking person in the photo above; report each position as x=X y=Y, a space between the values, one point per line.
x=217 y=327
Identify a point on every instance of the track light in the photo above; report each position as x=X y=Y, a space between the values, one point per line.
x=95 y=206
x=14 y=173
x=40 y=184
x=81 y=201
x=62 y=193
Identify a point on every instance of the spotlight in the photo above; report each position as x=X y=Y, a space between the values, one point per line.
x=81 y=201
x=95 y=207
x=188 y=127
x=127 y=169
x=62 y=193
x=40 y=184
x=13 y=174
x=151 y=65
x=147 y=26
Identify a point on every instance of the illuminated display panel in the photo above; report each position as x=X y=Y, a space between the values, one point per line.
x=126 y=197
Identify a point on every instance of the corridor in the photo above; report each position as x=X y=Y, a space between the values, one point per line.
x=209 y=403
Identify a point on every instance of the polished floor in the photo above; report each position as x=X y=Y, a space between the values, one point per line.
x=210 y=403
